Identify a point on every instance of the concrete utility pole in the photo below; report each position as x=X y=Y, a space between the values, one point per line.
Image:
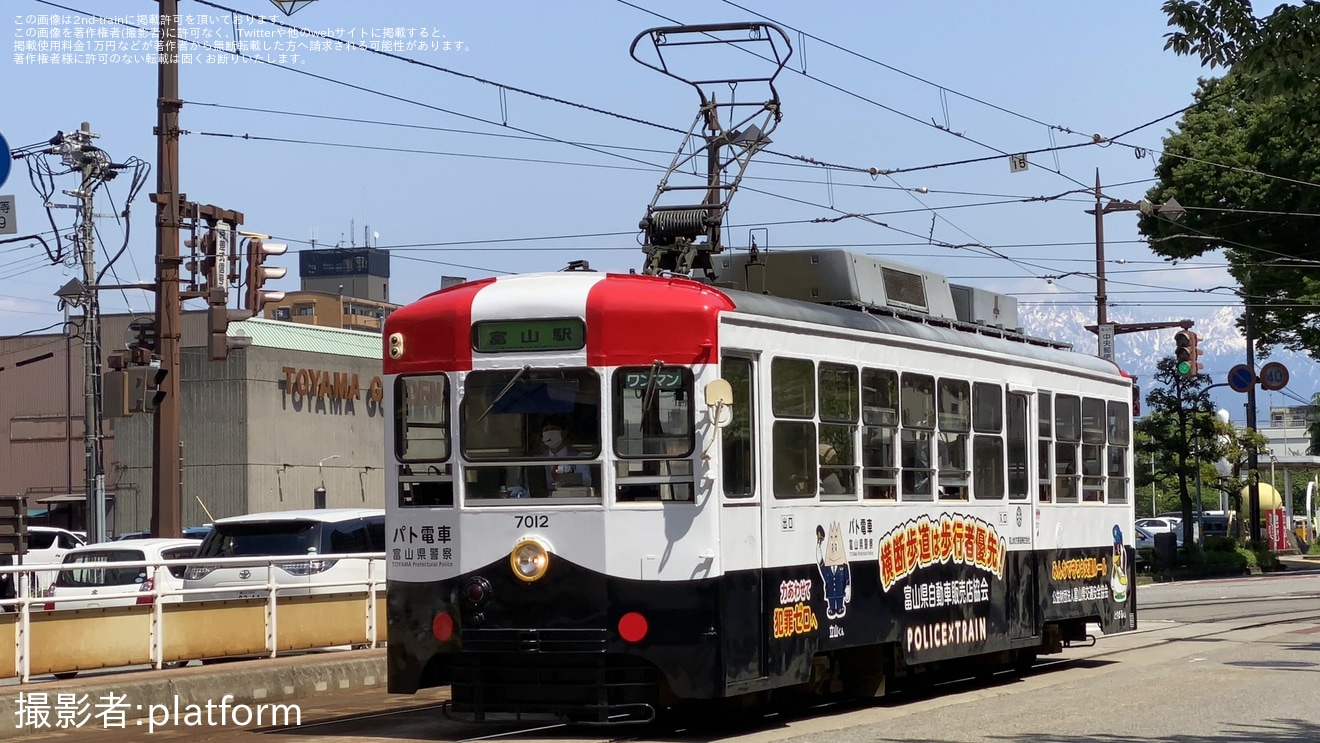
x=167 y=467
x=77 y=152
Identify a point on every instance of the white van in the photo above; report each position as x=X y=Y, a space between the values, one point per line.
x=89 y=586
x=328 y=531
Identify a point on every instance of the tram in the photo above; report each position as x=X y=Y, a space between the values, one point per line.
x=819 y=472
x=801 y=473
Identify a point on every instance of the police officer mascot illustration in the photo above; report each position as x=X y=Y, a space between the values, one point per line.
x=833 y=563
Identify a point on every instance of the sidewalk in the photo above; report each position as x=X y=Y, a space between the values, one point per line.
x=250 y=682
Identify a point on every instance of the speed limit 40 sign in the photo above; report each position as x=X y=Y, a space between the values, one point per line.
x=8 y=219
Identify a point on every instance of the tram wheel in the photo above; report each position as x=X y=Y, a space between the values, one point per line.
x=66 y=675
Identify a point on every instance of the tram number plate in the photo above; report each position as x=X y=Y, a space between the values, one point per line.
x=533 y=522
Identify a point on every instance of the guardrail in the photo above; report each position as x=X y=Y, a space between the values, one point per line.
x=159 y=629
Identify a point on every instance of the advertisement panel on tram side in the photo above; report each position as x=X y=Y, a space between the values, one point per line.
x=1094 y=582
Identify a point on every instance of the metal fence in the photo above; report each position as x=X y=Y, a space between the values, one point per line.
x=166 y=625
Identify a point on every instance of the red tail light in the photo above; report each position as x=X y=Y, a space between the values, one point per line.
x=148 y=586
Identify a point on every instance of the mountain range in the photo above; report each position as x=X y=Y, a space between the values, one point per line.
x=1222 y=347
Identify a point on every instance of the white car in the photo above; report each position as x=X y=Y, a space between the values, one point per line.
x=1160 y=524
x=327 y=531
x=47 y=545
x=90 y=586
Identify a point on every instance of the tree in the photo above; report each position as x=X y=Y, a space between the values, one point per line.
x=1243 y=169
x=1313 y=425
x=1180 y=431
x=1273 y=55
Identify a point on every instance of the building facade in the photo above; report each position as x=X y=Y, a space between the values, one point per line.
x=326 y=310
x=42 y=414
x=297 y=409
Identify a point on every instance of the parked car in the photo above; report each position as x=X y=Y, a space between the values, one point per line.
x=289 y=534
x=47 y=545
x=93 y=587
x=1160 y=524
x=189 y=532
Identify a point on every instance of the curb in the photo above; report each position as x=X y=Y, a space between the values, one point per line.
x=278 y=681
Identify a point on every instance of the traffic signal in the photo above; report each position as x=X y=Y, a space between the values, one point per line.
x=13 y=526
x=257 y=275
x=144 y=394
x=218 y=321
x=1187 y=353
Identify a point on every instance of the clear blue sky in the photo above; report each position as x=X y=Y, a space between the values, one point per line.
x=1094 y=72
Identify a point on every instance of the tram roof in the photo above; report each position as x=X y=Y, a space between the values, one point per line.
x=766 y=305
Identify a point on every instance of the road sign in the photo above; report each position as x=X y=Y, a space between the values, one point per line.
x=1273 y=376
x=6 y=158
x=8 y=216
x=1240 y=378
x=1017 y=163
x=1107 y=341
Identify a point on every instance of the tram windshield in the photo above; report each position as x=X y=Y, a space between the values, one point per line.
x=514 y=416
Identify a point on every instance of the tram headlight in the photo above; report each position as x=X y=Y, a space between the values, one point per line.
x=529 y=560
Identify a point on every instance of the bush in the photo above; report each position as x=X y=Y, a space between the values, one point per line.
x=1315 y=548
x=1250 y=556
x=1236 y=559
x=1220 y=544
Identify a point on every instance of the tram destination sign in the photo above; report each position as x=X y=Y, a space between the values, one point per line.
x=512 y=336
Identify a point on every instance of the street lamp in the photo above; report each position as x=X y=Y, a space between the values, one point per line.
x=318 y=495
x=1171 y=210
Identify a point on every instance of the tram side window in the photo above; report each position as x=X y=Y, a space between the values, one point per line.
x=1045 y=446
x=1093 y=448
x=954 y=422
x=880 y=434
x=421 y=441
x=839 y=407
x=421 y=418
x=653 y=420
x=918 y=418
x=793 y=442
x=1120 y=438
x=988 y=446
x=1067 y=437
x=1019 y=482
x=737 y=438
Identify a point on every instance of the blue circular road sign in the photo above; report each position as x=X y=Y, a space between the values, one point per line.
x=5 y=159
x=1240 y=378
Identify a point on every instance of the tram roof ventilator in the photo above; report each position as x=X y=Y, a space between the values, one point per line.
x=843 y=278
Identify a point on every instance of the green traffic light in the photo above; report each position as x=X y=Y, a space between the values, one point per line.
x=1184 y=367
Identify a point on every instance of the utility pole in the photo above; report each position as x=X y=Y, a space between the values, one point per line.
x=78 y=153
x=1101 y=298
x=91 y=350
x=1105 y=330
x=166 y=467
x=1253 y=461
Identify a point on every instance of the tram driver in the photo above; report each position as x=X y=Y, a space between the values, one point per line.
x=555 y=437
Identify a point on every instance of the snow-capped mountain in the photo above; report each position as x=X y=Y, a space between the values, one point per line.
x=1222 y=348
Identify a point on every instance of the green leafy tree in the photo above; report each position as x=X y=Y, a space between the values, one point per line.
x=1313 y=425
x=1243 y=169
x=1276 y=54
x=1180 y=433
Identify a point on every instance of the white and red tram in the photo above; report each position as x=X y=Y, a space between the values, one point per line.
x=611 y=493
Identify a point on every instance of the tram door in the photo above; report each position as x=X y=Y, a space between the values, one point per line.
x=1024 y=610
x=743 y=634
